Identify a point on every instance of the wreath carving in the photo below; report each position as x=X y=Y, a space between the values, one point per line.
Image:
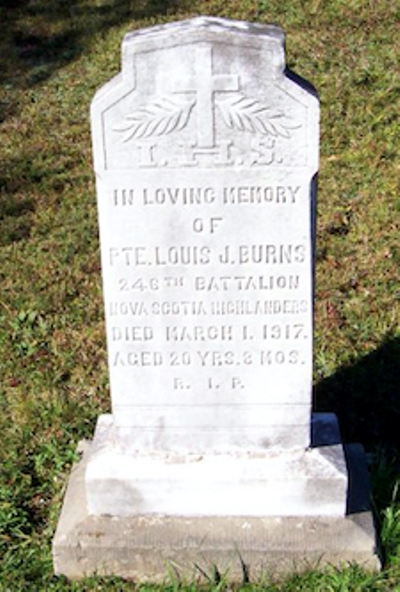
x=169 y=114
x=250 y=115
x=163 y=116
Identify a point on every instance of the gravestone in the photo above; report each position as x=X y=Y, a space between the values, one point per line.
x=206 y=155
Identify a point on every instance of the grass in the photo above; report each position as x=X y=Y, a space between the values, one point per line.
x=52 y=343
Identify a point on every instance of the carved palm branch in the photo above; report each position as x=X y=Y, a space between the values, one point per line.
x=163 y=116
x=252 y=116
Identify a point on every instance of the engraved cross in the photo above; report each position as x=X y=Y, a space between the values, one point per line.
x=205 y=83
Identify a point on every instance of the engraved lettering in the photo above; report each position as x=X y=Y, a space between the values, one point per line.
x=248 y=194
x=178 y=308
x=185 y=196
x=127 y=308
x=123 y=197
x=271 y=254
x=246 y=283
x=160 y=256
x=132 y=333
x=180 y=384
x=279 y=357
x=182 y=256
x=216 y=358
x=295 y=331
x=258 y=307
x=142 y=359
x=199 y=333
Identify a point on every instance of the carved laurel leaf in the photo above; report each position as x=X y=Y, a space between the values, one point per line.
x=161 y=117
x=250 y=115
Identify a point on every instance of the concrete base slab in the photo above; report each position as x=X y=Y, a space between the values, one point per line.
x=149 y=547
x=121 y=481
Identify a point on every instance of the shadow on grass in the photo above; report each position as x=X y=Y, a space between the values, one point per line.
x=17 y=177
x=40 y=36
x=15 y=219
x=16 y=207
x=366 y=398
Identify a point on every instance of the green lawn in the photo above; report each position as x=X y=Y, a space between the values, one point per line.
x=53 y=56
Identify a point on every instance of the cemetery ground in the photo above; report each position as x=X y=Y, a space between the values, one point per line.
x=52 y=341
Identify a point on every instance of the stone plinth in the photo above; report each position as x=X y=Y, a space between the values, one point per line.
x=122 y=481
x=152 y=547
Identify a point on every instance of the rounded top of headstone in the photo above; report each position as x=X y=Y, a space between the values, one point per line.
x=207 y=24
x=208 y=29
x=214 y=24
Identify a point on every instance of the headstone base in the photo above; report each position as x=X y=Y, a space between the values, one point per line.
x=150 y=547
x=121 y=481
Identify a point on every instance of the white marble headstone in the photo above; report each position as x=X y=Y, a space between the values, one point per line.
x=205 y=152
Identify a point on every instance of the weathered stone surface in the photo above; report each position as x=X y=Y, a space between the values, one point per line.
x=149 y=547
x=122 y=481
x=205 y=153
